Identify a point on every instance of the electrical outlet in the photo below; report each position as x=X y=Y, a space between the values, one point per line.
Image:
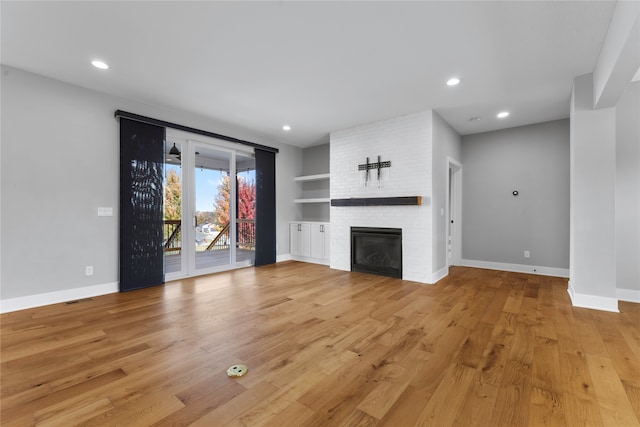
x=527 y=254
x=88 y=270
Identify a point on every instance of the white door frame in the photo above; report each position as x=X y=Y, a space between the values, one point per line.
x=190 y=231
x=454 y=212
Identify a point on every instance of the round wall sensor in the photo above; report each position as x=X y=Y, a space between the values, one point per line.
x=515 y=192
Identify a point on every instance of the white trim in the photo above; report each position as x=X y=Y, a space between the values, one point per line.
x=38 y=300
x=283 y=257
x=440 y=274
x=318 y=200
x=310 y=260
x=456 y=256
x=629 y=295
x=594 y=302
x=517 y=268
x=319 y=177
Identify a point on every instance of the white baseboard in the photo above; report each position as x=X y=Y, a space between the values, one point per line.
x=594 y=302
x=31 y=301
x=517 y=268
x=283 y=257
x=440 y=274
x=311 y=260
x=629 y=295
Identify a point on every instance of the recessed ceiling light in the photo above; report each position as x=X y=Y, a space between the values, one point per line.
x=453 y=81
x=503 y=114
x=286 y=128
x=99 y=64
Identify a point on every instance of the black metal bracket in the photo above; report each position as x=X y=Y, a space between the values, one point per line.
x=366 y=167
x=376 y=165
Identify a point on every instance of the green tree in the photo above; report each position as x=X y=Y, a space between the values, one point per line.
x=205 y=217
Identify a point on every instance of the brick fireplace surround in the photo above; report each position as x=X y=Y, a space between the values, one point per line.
x=406 y=142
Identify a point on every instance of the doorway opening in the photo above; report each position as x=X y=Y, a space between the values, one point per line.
x=209 y=207
x=454 y=213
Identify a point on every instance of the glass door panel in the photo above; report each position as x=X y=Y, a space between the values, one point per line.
x=246 y=207
x=214 y=208
x=173 y=229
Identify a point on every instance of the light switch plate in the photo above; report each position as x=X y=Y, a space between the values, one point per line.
x=105 y=211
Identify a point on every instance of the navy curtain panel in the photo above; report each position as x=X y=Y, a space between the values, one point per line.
x=265 y=207
x=141 y=205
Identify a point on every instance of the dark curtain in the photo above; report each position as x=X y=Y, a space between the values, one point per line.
x=265 y=207
x=141 y=205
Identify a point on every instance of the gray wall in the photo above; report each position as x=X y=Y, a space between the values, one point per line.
x=628 y=189
x=60 y=162
x=315 y=160
x=498 y=227
x=446 y=143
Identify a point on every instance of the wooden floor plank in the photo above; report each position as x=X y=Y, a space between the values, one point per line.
x=324 y=348
x=615 y=406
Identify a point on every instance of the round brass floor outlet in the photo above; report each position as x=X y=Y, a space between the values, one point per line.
x=237 y=370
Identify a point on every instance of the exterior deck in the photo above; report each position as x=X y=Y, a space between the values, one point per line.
x=207 y=259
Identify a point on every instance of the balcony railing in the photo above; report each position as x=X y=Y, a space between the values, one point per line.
x=245 y=232
x=172 y=235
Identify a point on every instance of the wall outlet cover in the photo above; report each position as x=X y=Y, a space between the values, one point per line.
x=107 y=211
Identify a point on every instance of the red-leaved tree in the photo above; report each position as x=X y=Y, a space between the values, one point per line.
x=246 y=208
x=246 y=199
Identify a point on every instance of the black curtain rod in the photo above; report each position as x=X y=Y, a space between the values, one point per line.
x=139 y=118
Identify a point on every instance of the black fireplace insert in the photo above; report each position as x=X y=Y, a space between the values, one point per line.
x=377 y=251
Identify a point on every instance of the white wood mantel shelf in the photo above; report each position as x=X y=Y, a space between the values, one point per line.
x=318 y=177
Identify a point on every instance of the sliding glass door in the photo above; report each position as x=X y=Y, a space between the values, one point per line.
x=209 y=208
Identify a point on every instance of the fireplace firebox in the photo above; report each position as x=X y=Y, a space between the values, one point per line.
x=377 y=251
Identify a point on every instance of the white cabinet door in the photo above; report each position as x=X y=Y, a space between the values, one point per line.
x=294 y=239
x=326 y=232
x=305 y=231
x=320 y=241
x=300 y=239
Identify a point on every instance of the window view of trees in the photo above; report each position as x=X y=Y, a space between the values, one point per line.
x=172 y=211
x=172 y=196
x=216 y=219
x=246 y=208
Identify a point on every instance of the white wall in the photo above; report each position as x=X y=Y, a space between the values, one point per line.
x=60 y=161
x=627 y=217
x=620 y=55
x=497 y=227
x=592 y=281
x=446 y=144
x=407 y=142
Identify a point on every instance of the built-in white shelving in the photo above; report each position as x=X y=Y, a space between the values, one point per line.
x=307 y=178
x=316 y=200
x=310 y=178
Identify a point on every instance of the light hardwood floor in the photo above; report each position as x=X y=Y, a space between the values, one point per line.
x=325 y=348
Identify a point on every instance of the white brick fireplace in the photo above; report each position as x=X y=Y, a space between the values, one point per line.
x=407 y=142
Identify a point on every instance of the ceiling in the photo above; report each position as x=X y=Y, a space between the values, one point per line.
x=318 y=66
